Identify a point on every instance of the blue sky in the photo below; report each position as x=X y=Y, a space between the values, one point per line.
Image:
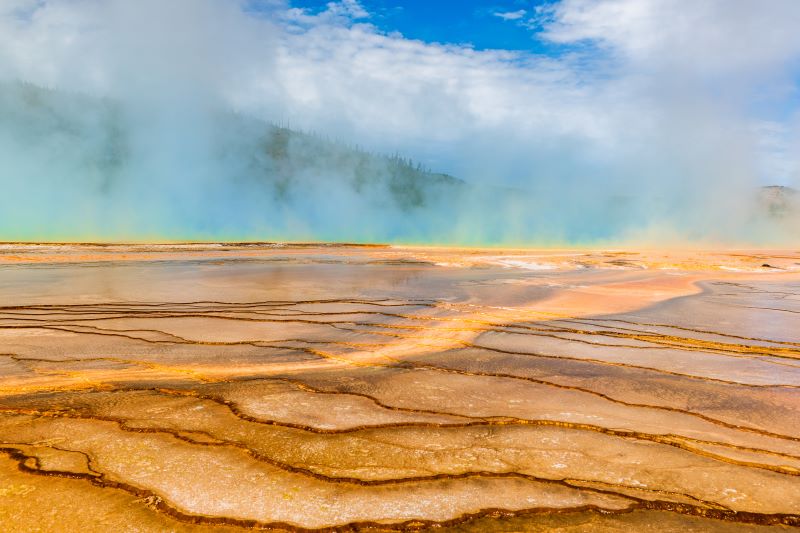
x=599 y=42
x=472 y=22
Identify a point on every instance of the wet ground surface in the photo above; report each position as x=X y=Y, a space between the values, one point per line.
x=370 y=388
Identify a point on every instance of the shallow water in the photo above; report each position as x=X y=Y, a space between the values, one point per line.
x=168 y=388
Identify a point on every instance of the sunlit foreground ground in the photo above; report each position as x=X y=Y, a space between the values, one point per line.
x=198 y=388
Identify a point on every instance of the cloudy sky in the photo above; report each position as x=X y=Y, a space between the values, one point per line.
x=666 y=97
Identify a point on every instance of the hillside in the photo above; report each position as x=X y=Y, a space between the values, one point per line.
x=94 y=140
x=96 y=168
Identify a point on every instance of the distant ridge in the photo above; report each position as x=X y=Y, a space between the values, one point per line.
x=779 y=201
x=77 y=167
x=275 y=158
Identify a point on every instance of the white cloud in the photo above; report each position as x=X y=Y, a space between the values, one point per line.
x=778 y=145
x=717 y=36
x=510 y=15
x=340 y=12
x=660 y=103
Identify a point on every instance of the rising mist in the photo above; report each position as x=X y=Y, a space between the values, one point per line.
x=219 y=120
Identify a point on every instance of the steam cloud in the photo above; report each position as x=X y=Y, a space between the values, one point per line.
x=155 y=120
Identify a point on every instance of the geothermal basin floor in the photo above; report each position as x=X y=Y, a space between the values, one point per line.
x=219 y=387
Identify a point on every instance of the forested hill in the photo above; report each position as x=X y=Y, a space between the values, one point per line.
x=92 y=141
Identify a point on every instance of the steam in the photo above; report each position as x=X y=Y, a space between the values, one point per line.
x=184 y=120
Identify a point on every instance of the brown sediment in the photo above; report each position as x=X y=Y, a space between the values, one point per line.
x=29 y=464
x=370 y=388
x=692 y=445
